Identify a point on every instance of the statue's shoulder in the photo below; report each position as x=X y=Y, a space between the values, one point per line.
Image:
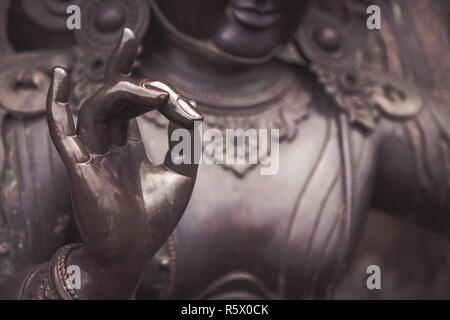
x=366 y=95
x=24 y=76
x=25 y=79
x=349 y=62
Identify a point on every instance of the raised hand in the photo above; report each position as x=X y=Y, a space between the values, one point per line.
x=125 y=206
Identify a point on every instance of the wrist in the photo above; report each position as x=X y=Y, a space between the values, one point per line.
x=58 y=272
x=106 y=279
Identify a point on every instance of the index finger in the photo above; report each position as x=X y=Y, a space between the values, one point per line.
x=121 y=60
x=178 y=109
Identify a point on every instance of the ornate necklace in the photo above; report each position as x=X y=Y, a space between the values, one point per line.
x=281 y=103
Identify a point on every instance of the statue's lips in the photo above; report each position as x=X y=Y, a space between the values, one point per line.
x=255 y=19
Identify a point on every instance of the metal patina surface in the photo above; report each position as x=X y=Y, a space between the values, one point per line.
x=363 y=120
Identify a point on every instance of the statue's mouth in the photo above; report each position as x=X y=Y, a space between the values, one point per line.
x=254 y=17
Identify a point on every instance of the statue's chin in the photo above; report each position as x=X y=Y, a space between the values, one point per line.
x=231 y=42
x=242 y=50
x=247 y=43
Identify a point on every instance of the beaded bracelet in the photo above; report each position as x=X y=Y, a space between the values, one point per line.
x=60 y=266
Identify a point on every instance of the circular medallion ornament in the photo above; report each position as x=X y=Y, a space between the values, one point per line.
x=323 y=40
x=49 y=14
x=25 y=79
x=102 y=22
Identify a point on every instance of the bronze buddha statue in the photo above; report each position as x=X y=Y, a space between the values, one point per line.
x=358 y=127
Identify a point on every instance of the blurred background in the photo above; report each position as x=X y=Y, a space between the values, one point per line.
x=415 y=263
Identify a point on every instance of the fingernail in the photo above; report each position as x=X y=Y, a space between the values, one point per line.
x=189 y=109
x=61 y=79
x=127 y=34
x=128 y=45
x=156 y=92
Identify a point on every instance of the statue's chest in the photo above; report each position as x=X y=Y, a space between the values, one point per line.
x=268 y=236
